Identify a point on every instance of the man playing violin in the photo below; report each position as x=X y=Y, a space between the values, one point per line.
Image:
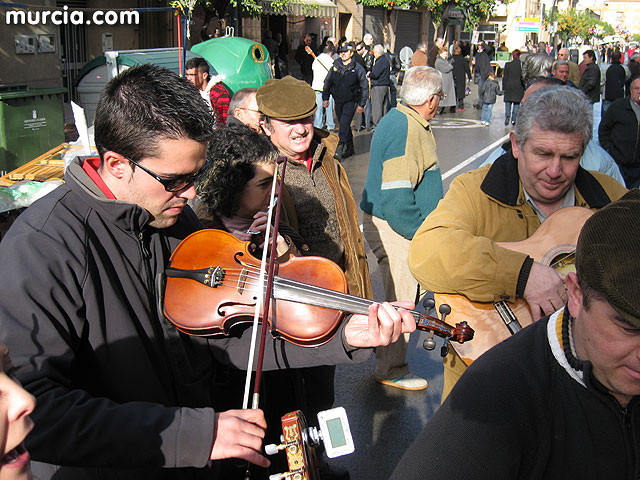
x=121 y=393
x=561 y=399
x=455 y=249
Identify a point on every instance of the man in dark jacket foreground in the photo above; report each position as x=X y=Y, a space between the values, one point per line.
x=561 y=398
x=120 y=392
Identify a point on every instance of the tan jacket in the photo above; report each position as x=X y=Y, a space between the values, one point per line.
x=574 y=73
x=454 y=251
x=355 y=260
x=419 y=58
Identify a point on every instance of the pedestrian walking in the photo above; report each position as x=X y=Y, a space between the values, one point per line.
x=379 y=84
x=347 y=83
x=461 y=73
x=513 y=88
x=448 y=99
x=488 y=94
x=482 y=69
x=321 y=66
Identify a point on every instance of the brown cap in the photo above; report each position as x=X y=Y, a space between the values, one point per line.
x=608 y=252
x=286 y=99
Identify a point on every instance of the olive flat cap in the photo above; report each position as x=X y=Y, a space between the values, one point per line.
x=286 y=99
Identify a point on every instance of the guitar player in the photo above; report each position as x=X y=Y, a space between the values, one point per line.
x=455 y=249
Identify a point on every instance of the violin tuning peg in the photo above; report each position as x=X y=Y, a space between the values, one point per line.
x=428 y=303
x=444 y=310
x=429 y=343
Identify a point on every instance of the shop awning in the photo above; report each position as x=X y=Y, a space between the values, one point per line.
x=304 y=8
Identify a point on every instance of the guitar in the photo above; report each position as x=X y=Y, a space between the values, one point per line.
x=553 y=244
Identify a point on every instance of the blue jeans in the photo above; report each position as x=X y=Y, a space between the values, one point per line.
x=480 y=83
x=508 y=113
x=319 y=121
x=393 y=92
x=487 y=108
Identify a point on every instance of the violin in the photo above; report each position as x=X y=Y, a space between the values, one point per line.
x=212 y=286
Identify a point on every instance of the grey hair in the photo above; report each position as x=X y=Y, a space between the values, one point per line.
x=421 y=45
x=557 y=63
x=419 y=84
x=241 y=98
x=556 y=108
x=379 y=49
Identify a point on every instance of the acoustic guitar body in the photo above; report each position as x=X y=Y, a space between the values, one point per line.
x=553 y=244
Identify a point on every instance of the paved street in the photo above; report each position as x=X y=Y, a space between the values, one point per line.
x=384 y=421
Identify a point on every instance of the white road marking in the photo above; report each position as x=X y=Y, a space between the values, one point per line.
x=473 y=158
x=455 y=123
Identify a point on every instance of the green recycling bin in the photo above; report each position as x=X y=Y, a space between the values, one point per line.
x=31 y=123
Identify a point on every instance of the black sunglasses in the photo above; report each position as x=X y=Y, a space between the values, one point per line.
x=174 y=183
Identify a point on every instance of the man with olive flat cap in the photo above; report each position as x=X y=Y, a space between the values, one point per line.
x=561 y=398
x=326 y=215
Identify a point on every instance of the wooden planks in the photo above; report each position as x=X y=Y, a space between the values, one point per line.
x=43 y=168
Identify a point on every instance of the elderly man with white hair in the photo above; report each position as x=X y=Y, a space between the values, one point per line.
x=380 y=80
x=403 y=186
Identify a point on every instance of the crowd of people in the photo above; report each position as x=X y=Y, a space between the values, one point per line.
x=117 y=391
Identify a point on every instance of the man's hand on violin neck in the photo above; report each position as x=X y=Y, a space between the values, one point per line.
x=239 y=434
x=384 y=325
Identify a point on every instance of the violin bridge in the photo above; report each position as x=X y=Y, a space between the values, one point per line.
x=242 y=280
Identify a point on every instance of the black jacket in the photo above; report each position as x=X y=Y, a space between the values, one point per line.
x=460 y=73
x=394 y=61
x=519 y=412
x=590 y=83
x=615 y=77
x=619 y=133
x=347 y=83
x=483 y=64
x=380 y=72
x=512 y=82
x=121 y=394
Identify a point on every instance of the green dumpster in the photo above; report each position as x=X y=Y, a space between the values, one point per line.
x=31 y=123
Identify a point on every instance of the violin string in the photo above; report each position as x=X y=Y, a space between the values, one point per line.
x=349 y=302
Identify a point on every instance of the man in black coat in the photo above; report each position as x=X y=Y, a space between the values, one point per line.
x=513 y=88
x=483 y=67
x=590 y=81
x=618 y=134
x=615 y=76
x=305 y=59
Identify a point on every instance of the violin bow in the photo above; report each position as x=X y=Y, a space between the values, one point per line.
x=272 y=250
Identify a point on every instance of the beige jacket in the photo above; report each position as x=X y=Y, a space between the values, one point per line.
x=454 y=251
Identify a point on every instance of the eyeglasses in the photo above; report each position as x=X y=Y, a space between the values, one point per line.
x=442 y=95
x=174 y=183
x=249 y=109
